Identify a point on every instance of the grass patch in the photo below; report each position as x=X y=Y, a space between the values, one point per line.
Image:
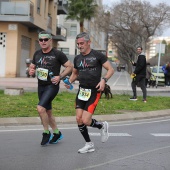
x=64 y=103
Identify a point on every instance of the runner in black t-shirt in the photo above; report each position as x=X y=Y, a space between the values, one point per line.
x=88 y=68
x=46 y=61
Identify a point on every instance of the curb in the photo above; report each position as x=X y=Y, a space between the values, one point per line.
x=72 y=119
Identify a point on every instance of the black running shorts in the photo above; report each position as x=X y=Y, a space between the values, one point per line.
x=46 y=93
x=92 y=102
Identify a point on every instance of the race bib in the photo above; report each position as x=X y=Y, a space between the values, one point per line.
x=84 y=94
x=42 y=74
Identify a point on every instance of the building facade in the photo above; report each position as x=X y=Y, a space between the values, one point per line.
x=98 y=38
x=153 y=44
x=20 y=23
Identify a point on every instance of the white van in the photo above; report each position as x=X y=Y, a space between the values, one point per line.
x=159 y=75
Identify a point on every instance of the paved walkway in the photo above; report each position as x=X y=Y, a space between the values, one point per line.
x=30 y=84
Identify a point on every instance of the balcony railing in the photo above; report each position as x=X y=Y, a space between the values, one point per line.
x=62 y=7
x=61 y=33
x=21 y=8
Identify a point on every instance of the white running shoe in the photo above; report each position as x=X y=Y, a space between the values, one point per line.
x=104 y=132
x=89 y=147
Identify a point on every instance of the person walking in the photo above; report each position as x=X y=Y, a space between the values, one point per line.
x=168 y=74
x=48 y=61
x=88 y=68
x=139 y=75
x=165 y=73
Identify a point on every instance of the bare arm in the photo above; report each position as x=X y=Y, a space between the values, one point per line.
x=110 y=72
x=72 y=78
x=74 y=75
x=68 y=68
x=109 y=68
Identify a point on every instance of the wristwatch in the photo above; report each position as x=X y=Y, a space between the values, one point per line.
x=105 y=79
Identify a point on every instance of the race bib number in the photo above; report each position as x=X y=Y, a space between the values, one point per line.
x=84 y=94
x=42 y=74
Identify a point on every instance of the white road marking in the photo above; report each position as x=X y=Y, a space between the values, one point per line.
x=124 y=158
x=117 y=79
x=140 y=123
x=161 y=134
x=110 y=134
x=21 y=128
x=36 y=129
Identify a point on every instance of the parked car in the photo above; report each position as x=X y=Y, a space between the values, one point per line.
x=122 y=67
x=158 y=75
x=118 y=68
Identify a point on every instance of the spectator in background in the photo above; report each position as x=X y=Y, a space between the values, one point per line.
x=168 y=75
x=165 y=73
x=148 y=74
x=139 y=75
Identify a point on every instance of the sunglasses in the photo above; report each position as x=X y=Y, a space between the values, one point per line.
x=45 y=39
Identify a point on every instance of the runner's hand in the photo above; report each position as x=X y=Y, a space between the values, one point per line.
x=55 y=80
x=101 y=85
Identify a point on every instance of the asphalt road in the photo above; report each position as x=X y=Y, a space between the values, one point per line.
x=132 y=145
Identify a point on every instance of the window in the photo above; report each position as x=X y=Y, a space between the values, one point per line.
x=38 y=6
x=73 y=30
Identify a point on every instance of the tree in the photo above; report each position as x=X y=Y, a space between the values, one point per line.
x=133 y=23
x=81 y=10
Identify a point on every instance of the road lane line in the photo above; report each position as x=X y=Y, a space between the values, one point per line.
x=110 y=134
x=67 y=128
x=140 y=123
x=117 y=79
x=22 y=130
x=161 y=134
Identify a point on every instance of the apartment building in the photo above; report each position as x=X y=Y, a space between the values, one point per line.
x=152 y=51
x=20 y=23
x=98 y=38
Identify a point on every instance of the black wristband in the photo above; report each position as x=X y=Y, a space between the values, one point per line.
x=105 y=79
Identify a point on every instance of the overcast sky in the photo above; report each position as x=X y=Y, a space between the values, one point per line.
x=154 y=2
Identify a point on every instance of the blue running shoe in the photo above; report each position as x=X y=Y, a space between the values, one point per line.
x=56 y=138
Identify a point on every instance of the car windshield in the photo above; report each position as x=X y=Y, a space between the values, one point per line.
x=155 y=70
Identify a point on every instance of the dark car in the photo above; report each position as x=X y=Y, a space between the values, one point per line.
x=118 y=68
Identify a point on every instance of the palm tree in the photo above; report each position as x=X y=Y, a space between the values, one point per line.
x=81 y=10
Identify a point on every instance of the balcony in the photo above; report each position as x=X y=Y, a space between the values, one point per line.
x=61 y=34
x=16 y=11
x=62 y=7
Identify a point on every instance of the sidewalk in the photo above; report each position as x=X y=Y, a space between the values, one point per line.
x=30 y=85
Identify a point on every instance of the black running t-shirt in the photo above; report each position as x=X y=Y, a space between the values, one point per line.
x=90 y=67
x=46 y=63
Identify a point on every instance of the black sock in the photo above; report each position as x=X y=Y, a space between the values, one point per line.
x=96 y=124
x=84 y=131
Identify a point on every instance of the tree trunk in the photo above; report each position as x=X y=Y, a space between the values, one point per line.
x=81 y=27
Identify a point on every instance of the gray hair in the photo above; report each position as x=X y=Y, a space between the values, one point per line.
x=83 y=34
